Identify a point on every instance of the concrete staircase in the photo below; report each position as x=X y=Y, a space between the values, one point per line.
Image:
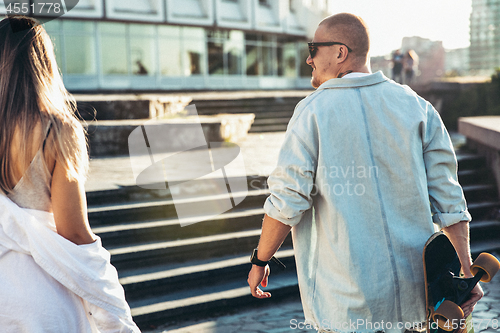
x=482 y=200
x=171 y=273
x=271 y=113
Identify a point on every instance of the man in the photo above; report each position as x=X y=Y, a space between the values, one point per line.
x=397 y=66
x=361 y=160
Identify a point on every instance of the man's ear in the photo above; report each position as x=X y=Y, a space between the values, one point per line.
x=342 y=54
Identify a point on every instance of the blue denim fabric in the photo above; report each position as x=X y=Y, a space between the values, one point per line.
x=365 y=175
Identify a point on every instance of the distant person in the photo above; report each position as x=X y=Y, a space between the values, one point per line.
x=54 y=274
x=366 y=172
x=142 y=70
x=397 y=66
x=410 y=64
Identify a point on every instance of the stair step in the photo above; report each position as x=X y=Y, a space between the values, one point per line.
x=475 y=176
x=163 y=280
x=481 y=231
x=479 y=192
x=255 y=109
x=116 y=213
x=136 y=194
x=469 y=161
x=172 y=229
x=482 y=210
x=484 y=246
x=158 y=253
x=271 y=121
x=247 y=102
x=268 y=128
x=206 y=300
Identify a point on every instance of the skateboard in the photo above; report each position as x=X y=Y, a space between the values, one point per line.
x=445 y=290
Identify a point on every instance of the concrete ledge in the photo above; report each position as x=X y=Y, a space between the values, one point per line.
x=483 y=135
x=110 y=137
x=484 y=130
x=114 y=107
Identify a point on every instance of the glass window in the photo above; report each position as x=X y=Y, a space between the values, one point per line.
x=279 y=60
x=52 y=26
x=167 y=30
x=142 y=29
x=268 y=60
x=304 y=69
x=289 y=60
x=78 y=62
x=142 y=55
x=234 y=47
x=114 y=55
x=78 y=26
x=194 y=56
x=252 y=56
x=215 y=58
x=56 y=41
x=193 y=33
x=112 y=28
x=170 y=56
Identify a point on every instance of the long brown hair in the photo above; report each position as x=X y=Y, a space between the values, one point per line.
x=32 y=92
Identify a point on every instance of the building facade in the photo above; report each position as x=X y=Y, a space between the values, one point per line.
x=484 y=36
x=134 y=45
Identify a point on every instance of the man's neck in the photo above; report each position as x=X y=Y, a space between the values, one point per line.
x=358 y=69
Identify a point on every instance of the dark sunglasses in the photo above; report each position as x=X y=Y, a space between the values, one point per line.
x=313 y=47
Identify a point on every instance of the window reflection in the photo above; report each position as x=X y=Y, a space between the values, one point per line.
x=289 y=60
x=174 y=51
x=114 y=55
x=215 y=58
x=268 y=60
x=234 y=47
x=194 y=50
x=252 y=55
x=304 y=69
x=78 y=62
x=142 y=55
x=170 y=56
x=193 y=56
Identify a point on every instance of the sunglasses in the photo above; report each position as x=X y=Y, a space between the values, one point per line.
x=313 y=47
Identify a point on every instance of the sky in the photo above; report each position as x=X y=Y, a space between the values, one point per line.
x=391 y=20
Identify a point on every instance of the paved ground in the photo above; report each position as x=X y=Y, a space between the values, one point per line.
x=259 y=152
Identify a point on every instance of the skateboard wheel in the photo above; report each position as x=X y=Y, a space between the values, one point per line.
x=487 y=263
x=447 y=313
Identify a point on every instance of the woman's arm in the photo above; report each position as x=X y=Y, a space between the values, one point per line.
x=69 y=206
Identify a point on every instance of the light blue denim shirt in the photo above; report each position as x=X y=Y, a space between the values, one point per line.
x=366 y=171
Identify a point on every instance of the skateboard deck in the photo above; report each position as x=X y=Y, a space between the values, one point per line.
x=445 y=289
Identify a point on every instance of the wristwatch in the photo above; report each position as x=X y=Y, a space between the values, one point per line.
x=254 y=260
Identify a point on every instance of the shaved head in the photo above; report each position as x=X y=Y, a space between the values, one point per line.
x=350 y=30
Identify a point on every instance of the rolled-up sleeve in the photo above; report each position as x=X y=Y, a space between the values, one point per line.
x=448 y=203
x=292 y=181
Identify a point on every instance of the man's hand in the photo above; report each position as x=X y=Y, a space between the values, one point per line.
x=258 y=275
x=475 y=295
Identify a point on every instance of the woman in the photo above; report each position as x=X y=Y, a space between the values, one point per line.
x=410 y=65
x=43 y=160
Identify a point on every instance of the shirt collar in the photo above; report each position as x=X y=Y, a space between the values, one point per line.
x=355 y=74
x=354 y=82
